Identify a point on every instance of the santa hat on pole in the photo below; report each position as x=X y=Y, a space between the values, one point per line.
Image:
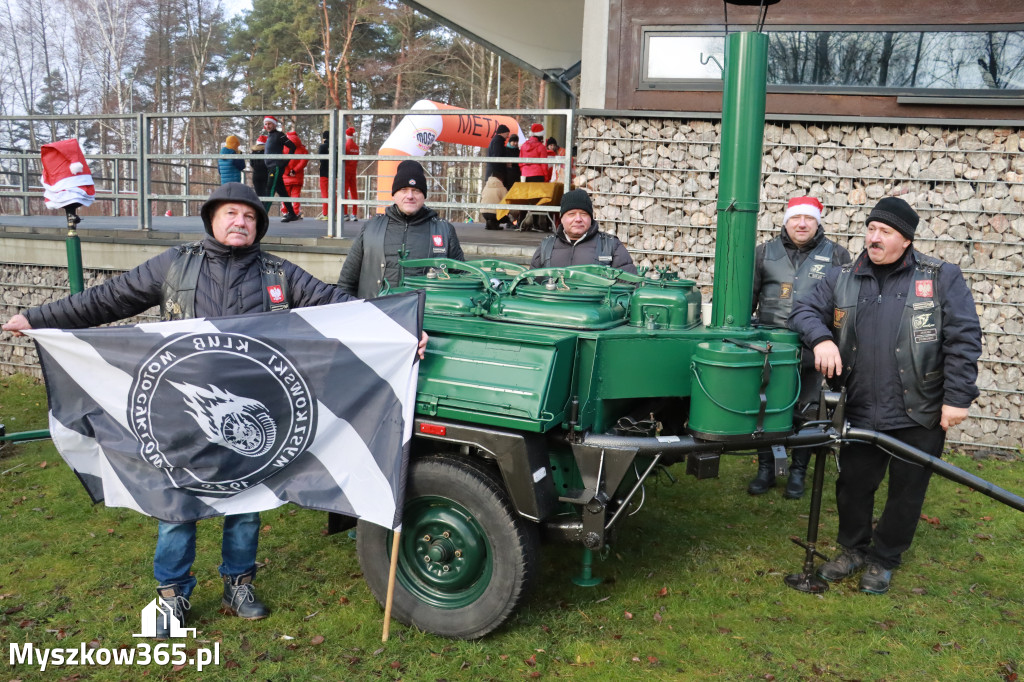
x=803 y=206
x=66 y=175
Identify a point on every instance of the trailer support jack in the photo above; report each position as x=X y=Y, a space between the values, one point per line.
x=806 y=580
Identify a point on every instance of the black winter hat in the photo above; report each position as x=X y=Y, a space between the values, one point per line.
x=326 y=135
x=502 y=129
x=897 y=214
x=239 y=193
x=577 y=198
x=409 y=174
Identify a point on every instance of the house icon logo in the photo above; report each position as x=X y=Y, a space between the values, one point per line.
x=152 y=611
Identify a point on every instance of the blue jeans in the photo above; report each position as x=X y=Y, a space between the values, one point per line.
x=176 y=550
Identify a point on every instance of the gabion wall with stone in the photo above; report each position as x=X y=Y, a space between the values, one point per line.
x=654 y=184
x=26 y=286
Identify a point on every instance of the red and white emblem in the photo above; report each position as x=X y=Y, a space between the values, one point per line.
x=924 y=288
x=438 y=240
x=276 y=293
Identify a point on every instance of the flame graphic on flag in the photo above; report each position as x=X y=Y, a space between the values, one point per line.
x=240 y=424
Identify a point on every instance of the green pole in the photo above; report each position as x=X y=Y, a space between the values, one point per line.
x=739 y=182
x=24 y=436
x=74 y=248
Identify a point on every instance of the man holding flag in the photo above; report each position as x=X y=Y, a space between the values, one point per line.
x=226 y=274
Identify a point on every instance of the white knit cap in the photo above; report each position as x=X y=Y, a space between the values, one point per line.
x=803 y=206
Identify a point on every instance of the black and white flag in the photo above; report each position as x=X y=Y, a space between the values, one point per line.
x=190 y=419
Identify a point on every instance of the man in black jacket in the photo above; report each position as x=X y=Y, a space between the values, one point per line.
x=578 y=241
x=497 y=148
x=785 y=270
x=276 y=143
x=899 y=328
x=195 y=280
x=406 y=230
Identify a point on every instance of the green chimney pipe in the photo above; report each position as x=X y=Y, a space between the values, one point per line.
x=739 y=180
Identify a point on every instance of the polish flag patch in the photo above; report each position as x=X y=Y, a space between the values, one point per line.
x=924 y=288
x=276 y=293
x=438 y=240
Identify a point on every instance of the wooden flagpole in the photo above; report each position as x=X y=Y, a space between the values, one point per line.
x=391 y=586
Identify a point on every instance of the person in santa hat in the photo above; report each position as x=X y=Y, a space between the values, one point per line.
x=534 y=148
x=295 y=173
x=276 y=143
x=786 y=269
x=351 y=170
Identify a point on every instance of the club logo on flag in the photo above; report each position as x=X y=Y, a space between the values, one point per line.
x=276 y=293
x=242 y=439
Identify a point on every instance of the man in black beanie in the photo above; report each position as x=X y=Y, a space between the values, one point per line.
x=496 y=148
x=899 y=330
x=578 y=241
x=406 y=230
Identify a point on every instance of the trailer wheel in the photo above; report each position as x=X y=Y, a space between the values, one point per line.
x=466 y=559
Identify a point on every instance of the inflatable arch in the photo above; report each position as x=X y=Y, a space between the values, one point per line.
x=416 y=133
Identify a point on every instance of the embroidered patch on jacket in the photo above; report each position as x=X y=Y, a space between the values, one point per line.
x=817 y=271
x=837 y=318
x=925 y=329
x=924 y=288
x=438 y=240
x=276 y=293
x=787 y=290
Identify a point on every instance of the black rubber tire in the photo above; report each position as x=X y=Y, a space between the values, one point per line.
x=462 y=485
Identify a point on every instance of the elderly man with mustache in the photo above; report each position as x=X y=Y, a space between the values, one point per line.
x=899 y=329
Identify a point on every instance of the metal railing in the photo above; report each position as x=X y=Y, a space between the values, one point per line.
x=140 y=166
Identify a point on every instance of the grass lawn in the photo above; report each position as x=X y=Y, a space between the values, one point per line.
x=692 y=590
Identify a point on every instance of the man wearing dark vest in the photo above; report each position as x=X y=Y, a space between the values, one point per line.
x=785 y=270
x=224 y=274
x=900 y=330
x=578 y=241
x=406 y=230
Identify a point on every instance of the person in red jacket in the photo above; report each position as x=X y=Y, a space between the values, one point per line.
x=295 y=172
x=534 y=148
x=351 y=192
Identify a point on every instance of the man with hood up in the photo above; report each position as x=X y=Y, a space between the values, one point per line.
x=193 y=280
x=406 y=230
x=578 y=241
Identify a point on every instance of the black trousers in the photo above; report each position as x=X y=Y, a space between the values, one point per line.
x=862 y=469
x=275 y=186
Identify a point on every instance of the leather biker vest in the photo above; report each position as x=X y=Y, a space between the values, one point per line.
x=781 y=283
x=178 y=292
x=918 y=343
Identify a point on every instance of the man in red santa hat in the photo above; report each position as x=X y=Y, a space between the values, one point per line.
x=786 y=269
x=276 y=143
